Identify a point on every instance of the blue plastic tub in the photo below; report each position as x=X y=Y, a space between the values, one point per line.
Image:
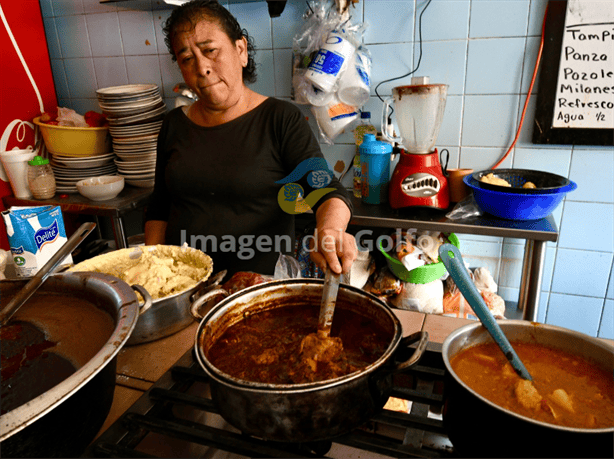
x=516 y=206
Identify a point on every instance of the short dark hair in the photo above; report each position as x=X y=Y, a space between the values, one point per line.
x=194 y=11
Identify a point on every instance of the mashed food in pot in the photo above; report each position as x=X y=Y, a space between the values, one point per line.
x=161 y=270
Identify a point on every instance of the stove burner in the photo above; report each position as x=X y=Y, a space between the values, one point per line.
x=177 y=418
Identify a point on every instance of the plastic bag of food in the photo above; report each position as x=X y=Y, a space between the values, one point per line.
x=68 y=117
x=425 y=298
x=384 y=284
x=455 y=304
x=243 y=279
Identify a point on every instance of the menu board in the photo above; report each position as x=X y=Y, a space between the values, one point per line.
x=585 y=86
x=576 y=88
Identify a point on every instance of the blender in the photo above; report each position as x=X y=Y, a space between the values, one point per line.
x=418 y=180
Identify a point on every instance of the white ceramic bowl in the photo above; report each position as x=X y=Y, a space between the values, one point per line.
x=101 y=188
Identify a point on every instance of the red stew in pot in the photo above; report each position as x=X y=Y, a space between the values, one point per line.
x=566 y=390
x=265 y=346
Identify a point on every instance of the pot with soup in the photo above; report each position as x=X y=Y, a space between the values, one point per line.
x=58 y=362
x=263 y=382
x=566 y=411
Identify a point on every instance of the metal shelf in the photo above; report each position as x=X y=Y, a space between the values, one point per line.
x=435 y=220
x=535 y=232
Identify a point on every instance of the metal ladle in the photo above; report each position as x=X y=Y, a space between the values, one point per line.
x=456 y=267
x=320 y=346
x=327 y=306
x=39 y=278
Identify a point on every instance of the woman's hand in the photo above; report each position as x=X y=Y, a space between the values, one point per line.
x=331 y=245
x=334 y=248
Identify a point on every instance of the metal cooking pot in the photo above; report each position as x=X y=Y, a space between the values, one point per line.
x=169 y=314
x=173 y=313
x=479 y=428
x=64 y=420
x=311 y=411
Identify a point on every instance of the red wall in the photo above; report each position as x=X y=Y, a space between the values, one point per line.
x=18 y=97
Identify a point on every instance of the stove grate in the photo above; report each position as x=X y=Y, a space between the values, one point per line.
x=159 y=413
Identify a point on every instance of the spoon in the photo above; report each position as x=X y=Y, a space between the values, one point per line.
x=456 y=267
x=39 y=278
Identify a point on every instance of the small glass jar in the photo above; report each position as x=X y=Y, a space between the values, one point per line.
x=40 y=178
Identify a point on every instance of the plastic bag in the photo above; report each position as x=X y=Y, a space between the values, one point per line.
x=455 y=304
x=334 y=118
x=424 y=298
x=287 y=267
x=322 y=52
x=68 y=117
x=4 y=256
x=361 y=269
x=243 y=279
x=464 y=209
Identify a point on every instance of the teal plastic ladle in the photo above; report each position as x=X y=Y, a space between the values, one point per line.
x=453 y=261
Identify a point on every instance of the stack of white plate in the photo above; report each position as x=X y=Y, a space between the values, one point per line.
x=135 y=114
x=69 y=170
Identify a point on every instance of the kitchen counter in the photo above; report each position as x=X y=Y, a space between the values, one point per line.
x=139 y=366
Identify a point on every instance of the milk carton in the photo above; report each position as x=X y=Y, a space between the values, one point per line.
x=35 y=234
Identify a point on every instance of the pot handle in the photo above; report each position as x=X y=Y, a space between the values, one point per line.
x=423 y=338
x=210 y=284
x=196 y=305
x=146 y=296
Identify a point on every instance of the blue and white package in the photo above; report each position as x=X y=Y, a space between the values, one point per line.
x=330 y=61
x=35 y=234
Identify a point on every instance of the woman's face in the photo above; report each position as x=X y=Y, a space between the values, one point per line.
x=211 y=64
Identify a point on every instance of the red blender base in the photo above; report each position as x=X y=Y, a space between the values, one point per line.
x=418 y=181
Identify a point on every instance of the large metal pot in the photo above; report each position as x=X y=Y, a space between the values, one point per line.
x=479 y=428
x=312 y=411
x=64 y=420
x=172 y=314
x=167 y=315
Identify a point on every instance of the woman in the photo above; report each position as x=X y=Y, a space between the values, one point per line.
x=220 y=158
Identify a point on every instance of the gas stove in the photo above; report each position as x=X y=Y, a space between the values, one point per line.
x=177 y=418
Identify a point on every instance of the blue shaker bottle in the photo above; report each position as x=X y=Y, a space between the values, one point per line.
x=375 y=163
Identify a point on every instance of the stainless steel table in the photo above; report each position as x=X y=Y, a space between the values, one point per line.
x=535 y=232
x=129 y=199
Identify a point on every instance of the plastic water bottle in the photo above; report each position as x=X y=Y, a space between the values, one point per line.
x=365 y=127
x=375 y=160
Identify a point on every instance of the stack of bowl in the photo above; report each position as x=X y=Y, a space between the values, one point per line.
x=135 y=113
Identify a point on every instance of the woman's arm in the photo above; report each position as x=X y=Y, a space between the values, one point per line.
x=154 y=232
x=334 y=247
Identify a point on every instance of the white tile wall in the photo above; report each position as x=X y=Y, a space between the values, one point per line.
x=484 y=50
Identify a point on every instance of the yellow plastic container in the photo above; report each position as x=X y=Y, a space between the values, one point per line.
x=75 y=141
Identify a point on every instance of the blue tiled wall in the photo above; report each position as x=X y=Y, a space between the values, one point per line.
x=485 y=50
